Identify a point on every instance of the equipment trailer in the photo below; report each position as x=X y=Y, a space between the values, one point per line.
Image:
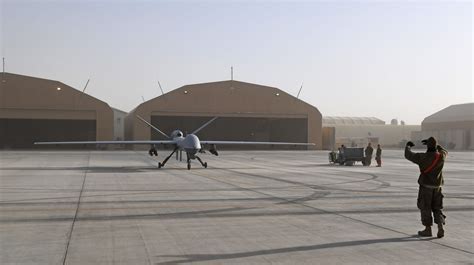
x=348 y=156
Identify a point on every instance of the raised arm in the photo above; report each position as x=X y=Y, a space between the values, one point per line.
x=413 y=157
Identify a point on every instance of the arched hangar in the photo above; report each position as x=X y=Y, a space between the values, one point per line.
x=34 y=109
x=452 y=126
x=247 y=112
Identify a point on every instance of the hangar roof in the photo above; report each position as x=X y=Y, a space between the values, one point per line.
x=21 y=91
x=226 y=97
x=26 y=97
x=336 y=120
x=453 y=113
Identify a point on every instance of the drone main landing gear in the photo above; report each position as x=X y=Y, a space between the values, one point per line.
x=162 y=164
x=204 y=164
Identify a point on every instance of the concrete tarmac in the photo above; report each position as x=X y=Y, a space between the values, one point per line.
x=247 y=207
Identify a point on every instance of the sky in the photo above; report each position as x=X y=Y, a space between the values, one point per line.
x=385 y=59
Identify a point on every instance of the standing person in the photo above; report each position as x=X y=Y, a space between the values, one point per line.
x=378 y=156
x=369 y=150
x=430 y=198
x=341 y=152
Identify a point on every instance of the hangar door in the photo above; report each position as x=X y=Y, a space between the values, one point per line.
x=22 y=133
x=237 y=129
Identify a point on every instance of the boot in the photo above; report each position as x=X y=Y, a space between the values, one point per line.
x=426 y=232
x=440 y=231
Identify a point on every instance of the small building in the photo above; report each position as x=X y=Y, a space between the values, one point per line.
x=359 y=131
x=119 y=124
x=35 y=109
x=453 y=127
x=356 y=121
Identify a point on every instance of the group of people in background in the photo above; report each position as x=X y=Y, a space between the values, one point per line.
x=369 y=150
x=340 y=157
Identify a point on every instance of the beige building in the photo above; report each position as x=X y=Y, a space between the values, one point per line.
x=247 y=112
x=35 y=109
x=452 y=126
x=358 y=131
x=119 y=124
x=386 y=135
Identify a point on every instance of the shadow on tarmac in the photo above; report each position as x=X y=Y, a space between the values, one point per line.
x=213 y=257
x=112 y=169
x=88 y=169
x=232 y=212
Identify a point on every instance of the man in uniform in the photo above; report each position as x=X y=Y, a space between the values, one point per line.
x=369 y=150
x=378 y=156
x=341 y=153
x=430 y=198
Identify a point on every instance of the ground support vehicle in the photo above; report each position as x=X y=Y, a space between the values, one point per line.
x=348 y=156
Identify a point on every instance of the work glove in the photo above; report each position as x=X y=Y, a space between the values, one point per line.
x=410 y=144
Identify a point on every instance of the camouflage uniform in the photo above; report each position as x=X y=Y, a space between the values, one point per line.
x=430 y=197
x=378 y=156
x=369 y=150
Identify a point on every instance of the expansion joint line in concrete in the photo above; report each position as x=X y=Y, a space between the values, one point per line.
x=140 y=232
x=77 y=209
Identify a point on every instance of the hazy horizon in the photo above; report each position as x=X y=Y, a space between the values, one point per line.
x=384 y=59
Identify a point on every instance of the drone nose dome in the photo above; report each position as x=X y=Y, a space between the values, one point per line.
x=192 y=142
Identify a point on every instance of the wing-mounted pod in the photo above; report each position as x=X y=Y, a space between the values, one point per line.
x=152 y=151
x=213 y=150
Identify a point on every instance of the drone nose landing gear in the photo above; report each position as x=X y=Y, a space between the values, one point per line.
x=188 y=160
x=191 y=156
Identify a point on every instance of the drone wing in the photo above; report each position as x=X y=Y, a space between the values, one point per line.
x=108 y=142
x=256 y=143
